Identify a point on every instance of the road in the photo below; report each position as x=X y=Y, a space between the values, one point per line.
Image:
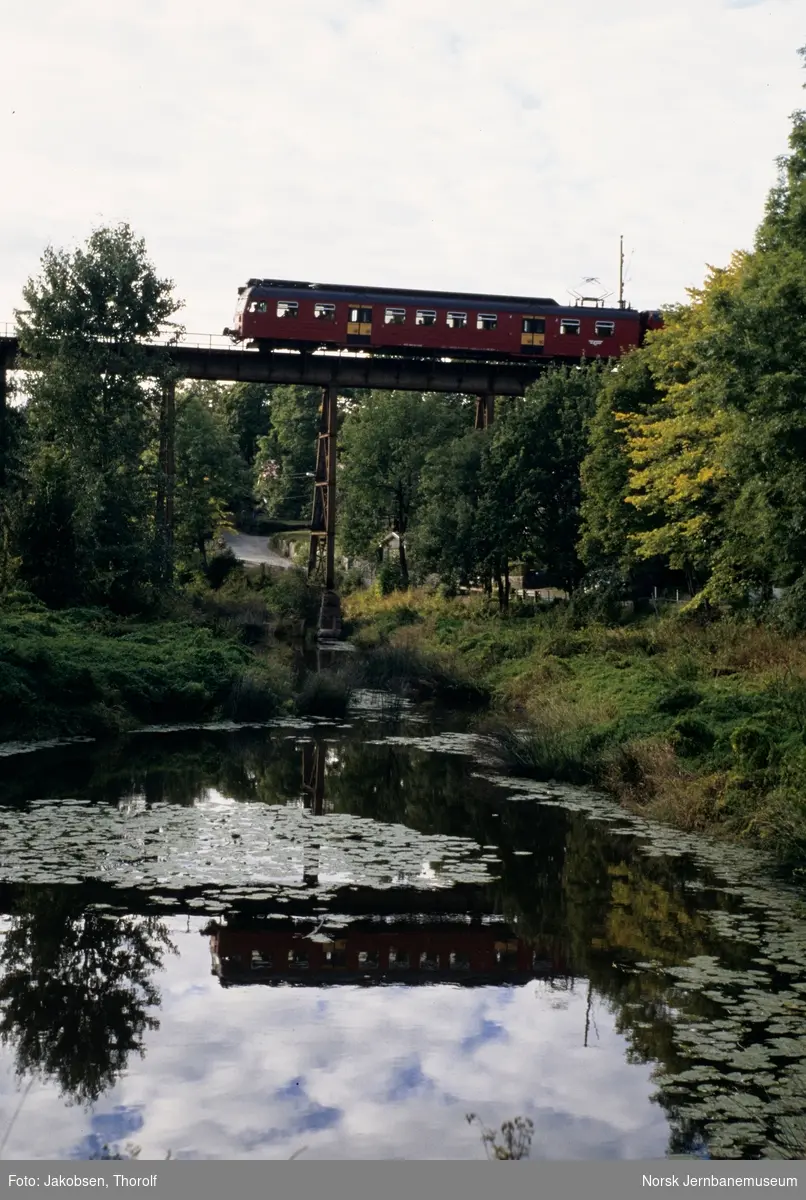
x=251 y=549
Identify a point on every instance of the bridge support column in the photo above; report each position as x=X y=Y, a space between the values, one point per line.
x=322 y=553
x=485 y=410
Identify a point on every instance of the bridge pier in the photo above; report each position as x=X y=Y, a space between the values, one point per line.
x=322 y=552
x=485 y=410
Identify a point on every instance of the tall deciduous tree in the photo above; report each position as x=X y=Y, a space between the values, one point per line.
x=211 y=477
x=93 y=411
x=385 y=443
x=286 y=455
x=246 y=407
x=533 y=471
x=607 y=520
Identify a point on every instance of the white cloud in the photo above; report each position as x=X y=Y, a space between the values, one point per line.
x=412 y=143
x=384 y=1073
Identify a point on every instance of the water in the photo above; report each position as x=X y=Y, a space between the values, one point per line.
x=339 y=940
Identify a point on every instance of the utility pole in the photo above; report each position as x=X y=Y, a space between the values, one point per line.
x=621 y=271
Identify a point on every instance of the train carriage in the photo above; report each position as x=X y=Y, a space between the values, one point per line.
x=274 y=313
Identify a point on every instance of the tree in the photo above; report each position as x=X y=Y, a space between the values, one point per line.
x=385 y=443
x=718 y=464
x=447 y=538
x=246 y=408
x=211 y=477
x=607 y=520
x=532 y=471
x=286 y=455
x=94 y=405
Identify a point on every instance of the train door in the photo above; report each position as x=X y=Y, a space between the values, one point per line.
x=359 y=324
x=533 y=335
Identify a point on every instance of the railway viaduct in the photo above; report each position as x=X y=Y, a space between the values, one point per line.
x=215 y=358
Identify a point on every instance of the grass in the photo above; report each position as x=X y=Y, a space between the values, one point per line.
x=405 y=671
x=325 y=694
x=83 y=671
x=701 y=726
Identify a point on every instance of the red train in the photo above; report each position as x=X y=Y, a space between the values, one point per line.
x=279 y=313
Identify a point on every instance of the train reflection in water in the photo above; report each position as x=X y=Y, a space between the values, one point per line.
x=408 y=952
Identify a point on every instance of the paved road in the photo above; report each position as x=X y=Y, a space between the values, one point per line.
x=251 y=549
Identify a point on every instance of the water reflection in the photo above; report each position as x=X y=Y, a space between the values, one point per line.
x=77 y=991
x=431 y=944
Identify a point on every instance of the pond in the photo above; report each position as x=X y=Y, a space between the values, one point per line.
x=344 y=939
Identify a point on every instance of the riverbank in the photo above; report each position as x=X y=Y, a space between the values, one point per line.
x=88 y=672
x=703 y=726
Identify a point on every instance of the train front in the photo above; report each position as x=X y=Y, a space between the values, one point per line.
x=238 y=332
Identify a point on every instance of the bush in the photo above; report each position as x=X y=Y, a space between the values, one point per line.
x=389 y=577
x=690 y=736
x=752 y=745
x=678 y=699
x=568 y=755
x=326 y=694
x=220 y=567
x=252 y=697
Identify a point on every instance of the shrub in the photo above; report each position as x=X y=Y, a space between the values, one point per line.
x=389 y=577
x=326 y=694
x=220 y=567
x=690 y=736
x=252 y=697
x=678 y=699
x=570 y=755
x=752 y=745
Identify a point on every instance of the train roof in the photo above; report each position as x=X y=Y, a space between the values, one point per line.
x=335 y=291
x=390 y=293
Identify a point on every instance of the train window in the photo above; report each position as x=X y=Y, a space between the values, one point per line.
x=425 y=316
x=569 y=325
x=287 y=308
x=399 y=959
x=395 y=316
x=459 y=962
x=605 y=328
x=534 y=325
x=257 y=306
x=297 y=958
x=429 y=961
x=368 y=958
x=324 y=312
x=457 y=320
x=486 y=321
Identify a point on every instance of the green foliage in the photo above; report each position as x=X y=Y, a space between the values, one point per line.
x=211 y=478
x=286 y=454
x=85 y=671
x=389 y=577
x=678 y=699
x=567 y=755
x=220 y=567
x=92 y=415
x=246 y=410
x=691 y=736
x=324 y=694
x=386 y=441
x=752 y=745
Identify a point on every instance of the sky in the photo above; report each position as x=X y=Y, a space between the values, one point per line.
x=453 y=144
x=382 y=1073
